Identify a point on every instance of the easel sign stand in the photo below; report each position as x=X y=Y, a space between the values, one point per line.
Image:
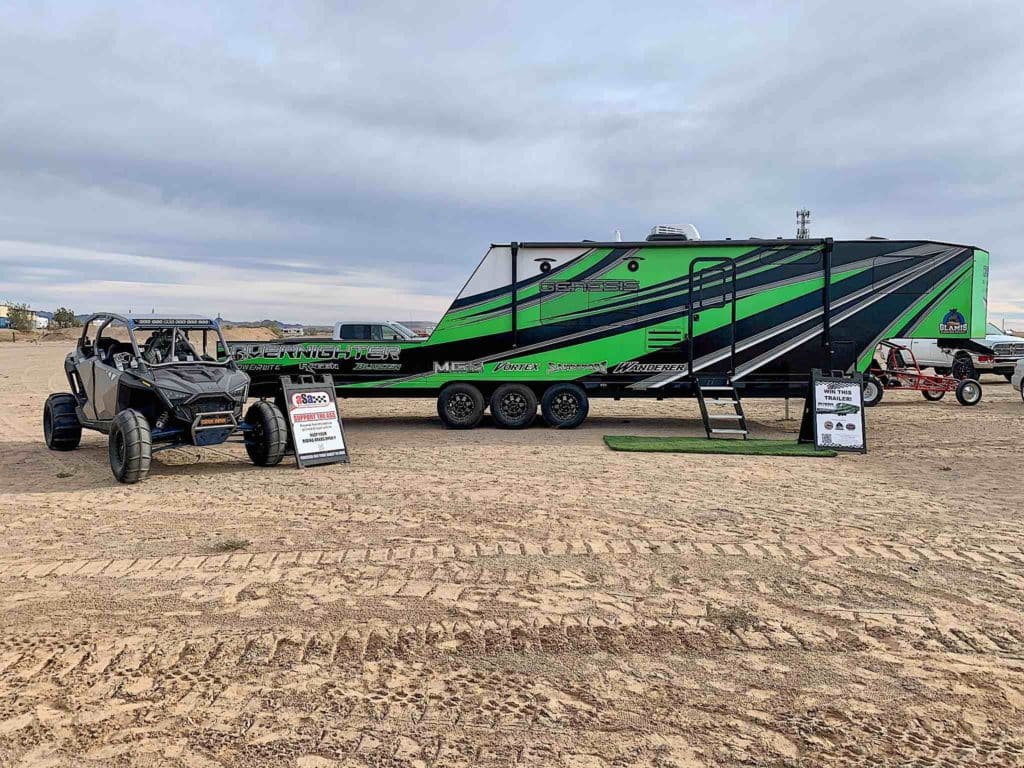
x=314 y=424
x=834 y=413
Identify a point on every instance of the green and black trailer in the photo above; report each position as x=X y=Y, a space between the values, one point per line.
x=557 y=323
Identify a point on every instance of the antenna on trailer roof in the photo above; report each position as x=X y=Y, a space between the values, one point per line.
x=803 y=218
x=618 y=235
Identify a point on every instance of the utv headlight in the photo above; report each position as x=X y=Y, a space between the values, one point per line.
x=240 y=392
x=177 y=397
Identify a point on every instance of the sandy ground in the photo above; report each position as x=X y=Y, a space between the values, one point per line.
x=516 y=598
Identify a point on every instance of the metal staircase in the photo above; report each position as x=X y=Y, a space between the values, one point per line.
x=722 y=395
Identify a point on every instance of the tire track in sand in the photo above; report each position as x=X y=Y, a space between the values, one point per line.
x=803 y=551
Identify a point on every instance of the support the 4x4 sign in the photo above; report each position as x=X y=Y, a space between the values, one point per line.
x=313 y=420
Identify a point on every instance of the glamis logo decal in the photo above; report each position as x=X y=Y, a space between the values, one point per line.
x=953 y=322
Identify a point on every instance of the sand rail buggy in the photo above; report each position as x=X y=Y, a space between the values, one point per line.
x=902 y=371
x=143 y=382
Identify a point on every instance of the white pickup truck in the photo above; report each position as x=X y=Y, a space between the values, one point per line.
x=1006 y=350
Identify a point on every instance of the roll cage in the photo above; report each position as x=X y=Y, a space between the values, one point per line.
x=178 y=326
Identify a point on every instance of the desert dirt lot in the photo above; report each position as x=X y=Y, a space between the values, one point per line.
x=516 y=598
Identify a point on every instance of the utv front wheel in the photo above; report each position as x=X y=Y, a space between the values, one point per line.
x=130 y=447
x=513 y=406
x=460 y=406
x=564 y=406
x=61 y=428
x=267 y=442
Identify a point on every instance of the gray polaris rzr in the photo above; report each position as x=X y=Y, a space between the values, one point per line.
x=144 y=382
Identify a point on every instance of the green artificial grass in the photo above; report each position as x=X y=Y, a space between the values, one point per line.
x=703 y=445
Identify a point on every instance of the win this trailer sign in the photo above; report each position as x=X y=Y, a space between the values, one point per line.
x=838 y=405
x=316 y=430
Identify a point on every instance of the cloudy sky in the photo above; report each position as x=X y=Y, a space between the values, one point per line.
x=308 y=161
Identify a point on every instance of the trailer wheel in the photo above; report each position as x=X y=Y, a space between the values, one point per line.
x=61 y=428
x=268 y=440
x=513 y=406
x=460 y=406
x=933 y=394
x=130 y=446
x=968 y=392
x=873 y=391
x=565 y=405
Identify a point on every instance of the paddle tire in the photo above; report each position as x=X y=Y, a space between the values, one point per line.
x=873 y=391
x=61 y=428
x=969 y=392
x=564 y=405
x=933 y=395
x=267 y=441
x=130 y=446
x=513 y=406
x=460 y=406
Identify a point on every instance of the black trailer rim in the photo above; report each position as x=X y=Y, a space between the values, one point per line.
x=513 y=405
x=565 y=406
x=461 y=406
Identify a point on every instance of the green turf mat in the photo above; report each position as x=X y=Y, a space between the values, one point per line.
x=703 y=445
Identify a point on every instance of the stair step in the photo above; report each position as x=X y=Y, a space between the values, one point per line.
x=729 y=432
x=716 y=389
x=725 y=416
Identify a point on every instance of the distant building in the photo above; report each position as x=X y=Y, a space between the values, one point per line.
x=39 y=319
x=293 y=331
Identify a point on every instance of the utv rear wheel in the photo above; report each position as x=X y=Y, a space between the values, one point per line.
x=873 y=391
x=61 y=428
x=267 y=441
x=969 y=392
x=131 y=447
x=460 y=406
x=513 y=406
x=933 y=394
x=564 y=406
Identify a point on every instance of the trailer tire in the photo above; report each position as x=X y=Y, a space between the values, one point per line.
x=968 y=392
x=873 y=391
x=564 y=405
x=130 y=447
x=61 y=429
x=460 y=406
x=933 y=394
x=513 y=406
x=267 y=442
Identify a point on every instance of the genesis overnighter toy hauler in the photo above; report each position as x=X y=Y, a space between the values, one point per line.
x=560 y=323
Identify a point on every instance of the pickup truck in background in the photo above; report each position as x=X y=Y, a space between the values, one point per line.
x=1004 y=351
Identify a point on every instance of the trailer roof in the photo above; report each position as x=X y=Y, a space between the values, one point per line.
x=728 y=241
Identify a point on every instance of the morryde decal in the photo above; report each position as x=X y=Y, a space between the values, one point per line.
x=601 y=367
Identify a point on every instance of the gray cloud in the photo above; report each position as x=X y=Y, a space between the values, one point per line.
x=399 y=140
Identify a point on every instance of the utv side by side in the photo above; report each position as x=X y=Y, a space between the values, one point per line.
x=144 y=382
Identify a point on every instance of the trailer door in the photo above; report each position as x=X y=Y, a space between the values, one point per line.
x=711 y=322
